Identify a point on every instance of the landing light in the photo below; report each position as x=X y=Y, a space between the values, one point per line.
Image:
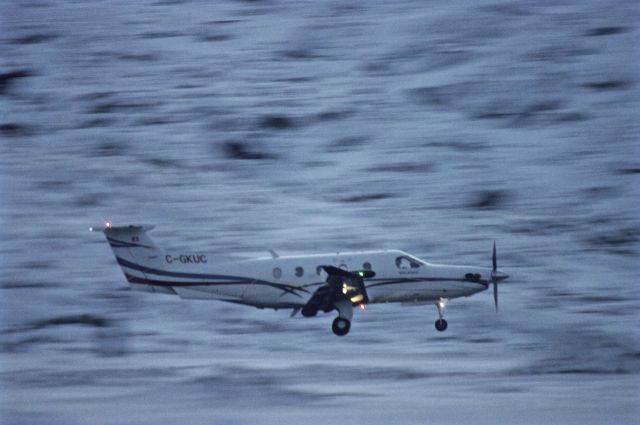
x=357 y=298
x=361 y=306
x=108 y=224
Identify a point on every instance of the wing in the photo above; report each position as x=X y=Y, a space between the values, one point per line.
x=341 y=285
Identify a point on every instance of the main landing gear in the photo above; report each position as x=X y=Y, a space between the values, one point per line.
x=441 y=324
x=341 y=326
x=342 y=323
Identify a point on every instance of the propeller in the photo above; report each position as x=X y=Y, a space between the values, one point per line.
x=494 y=275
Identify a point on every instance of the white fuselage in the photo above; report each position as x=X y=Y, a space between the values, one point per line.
x=290 y=281
x=305 y=283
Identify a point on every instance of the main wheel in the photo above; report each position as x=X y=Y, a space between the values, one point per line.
x=341 y=326
x=441 y=325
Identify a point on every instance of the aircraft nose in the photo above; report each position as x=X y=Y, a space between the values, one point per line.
x=501 y=275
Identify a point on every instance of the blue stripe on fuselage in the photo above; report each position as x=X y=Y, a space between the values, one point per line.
x=381 y=282
x=227 y=280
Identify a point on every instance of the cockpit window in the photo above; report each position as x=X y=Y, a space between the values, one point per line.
x=404 y=262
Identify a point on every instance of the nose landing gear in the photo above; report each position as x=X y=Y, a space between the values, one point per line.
x=441 y=324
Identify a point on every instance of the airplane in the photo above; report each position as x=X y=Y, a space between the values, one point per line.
x=303 y=283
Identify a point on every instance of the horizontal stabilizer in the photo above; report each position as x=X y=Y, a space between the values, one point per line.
x=107 y=226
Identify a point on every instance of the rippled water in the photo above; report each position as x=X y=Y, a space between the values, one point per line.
x=236 y=127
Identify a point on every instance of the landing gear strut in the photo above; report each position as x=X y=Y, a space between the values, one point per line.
x=342 y=323
x=441 y=324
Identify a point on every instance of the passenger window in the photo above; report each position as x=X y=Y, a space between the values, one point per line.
x=299 y=271
x=366 y=265
x=277 y=273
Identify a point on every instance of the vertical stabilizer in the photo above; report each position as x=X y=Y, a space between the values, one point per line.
x=135 y=252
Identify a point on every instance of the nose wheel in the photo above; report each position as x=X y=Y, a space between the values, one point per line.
x=441 y=324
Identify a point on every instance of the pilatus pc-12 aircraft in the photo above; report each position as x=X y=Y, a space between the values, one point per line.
x=306 y=283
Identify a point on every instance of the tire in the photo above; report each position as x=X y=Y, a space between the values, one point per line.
x=341 y=326
x=441 y=325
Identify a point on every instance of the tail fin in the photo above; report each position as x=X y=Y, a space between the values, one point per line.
x=135 y=252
